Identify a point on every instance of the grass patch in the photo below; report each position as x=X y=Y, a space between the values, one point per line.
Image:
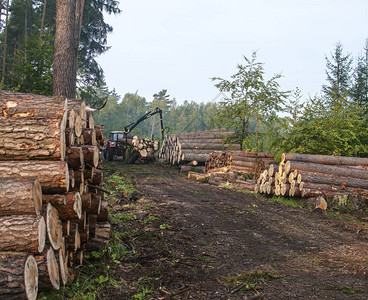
x=286 y=201
x=253 y=281
x=348 y=291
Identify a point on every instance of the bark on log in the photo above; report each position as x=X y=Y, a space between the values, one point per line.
x=18 y=276
x=251 y=154
x=54 y=227
x=99 y=132
x=89 y=136
x=97 y=176
x=54 y=199
x=20 y=197
x=52 y=175
x=75 y=158
x=197 y=176
x=333 y=180
x=19 y=105
x=103 y=216
x=48 y=270
x=41 y=139
x=326 y=159
x=72 y=208
x=22 y=233
x=328 y=169
x=91 y=156
x=198 y=157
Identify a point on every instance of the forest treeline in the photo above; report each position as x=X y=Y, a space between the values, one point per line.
x=264 y=117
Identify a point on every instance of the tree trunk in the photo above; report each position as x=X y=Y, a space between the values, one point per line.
x=326 y=159
x=48 y=270
x=52 y=175
x=40 y=139
x=64 y=73
x=18 y=276
x=22 y=233
x=5 y=40
x=20 y=197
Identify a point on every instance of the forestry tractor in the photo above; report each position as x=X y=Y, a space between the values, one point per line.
x=118 y=145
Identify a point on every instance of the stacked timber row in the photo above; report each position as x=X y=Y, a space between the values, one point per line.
x=145 y=147
x=196 y=147
x=234 y=168
x=305 y=175
x=50 y=202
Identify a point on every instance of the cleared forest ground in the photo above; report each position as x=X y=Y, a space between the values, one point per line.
x=191 y=240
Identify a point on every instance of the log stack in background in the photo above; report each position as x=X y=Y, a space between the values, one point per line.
x=236 y=168
x=313 y=176
x=196 y=147
x=51 y=204
x=145 y=147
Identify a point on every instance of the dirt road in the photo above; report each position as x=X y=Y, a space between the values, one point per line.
x=206 y=242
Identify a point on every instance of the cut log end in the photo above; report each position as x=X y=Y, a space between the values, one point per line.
x=37 y=196
x=41 y=235
x=31 y=278
x=53 y=268
x=62 y=144
x=78 y=127
x=77 y=206
x=54 y=227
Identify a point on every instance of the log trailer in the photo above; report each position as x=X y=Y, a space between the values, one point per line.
x=117 y=144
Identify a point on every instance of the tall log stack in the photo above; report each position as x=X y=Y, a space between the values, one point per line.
x=196 y=147
x=50 y=175
x=305 y=175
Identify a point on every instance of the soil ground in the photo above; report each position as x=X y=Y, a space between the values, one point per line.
x=191 y=240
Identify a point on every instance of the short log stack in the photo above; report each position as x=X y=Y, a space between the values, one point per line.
x=311 y=176
x=236 y=168
x=196 y=147
x=51 y=204
x=144 y=146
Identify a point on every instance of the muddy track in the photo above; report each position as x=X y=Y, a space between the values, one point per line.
x=222 y=233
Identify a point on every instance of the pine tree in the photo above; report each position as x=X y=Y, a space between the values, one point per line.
x=359 y=91
x=338 y=75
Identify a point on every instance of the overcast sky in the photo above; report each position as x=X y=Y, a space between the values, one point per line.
x=179 y=45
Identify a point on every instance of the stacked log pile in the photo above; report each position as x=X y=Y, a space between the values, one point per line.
x=51 y=204
x=144 y=146
x=311 y=176
x=196 y=147
x=235 y=168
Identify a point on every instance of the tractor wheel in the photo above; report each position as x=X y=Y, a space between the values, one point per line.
x=110 y=154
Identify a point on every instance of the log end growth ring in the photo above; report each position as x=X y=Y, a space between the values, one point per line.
x=31 y=278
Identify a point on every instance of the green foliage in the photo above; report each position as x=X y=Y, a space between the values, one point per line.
x=32 y=66
x=251 y=97
x=287 y=201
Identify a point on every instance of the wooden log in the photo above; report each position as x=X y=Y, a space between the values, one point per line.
x=89 y=136
x=54 y=227
x=201 y=157
x=326 y=159
x=18 y=276
x=95 y=204
x=54 y=199
x=71 y=179
x=20 y=105
x=48 y=270
x=333 y=180
x=206 y=134
x=72 y=241
x=22 y=233
x=79 y=107
x=99 y=132
x=242 y=153
x=63 y=264
x=91 y=156
x=208 y=146
x=52 y=175
x=243 y=170
x=86 y=201
x=69 y=138
x=41 y=139
x=72 y=209
x=75 y=158
x=90 y=119
x=20 y=197
x=328 y=169
x=197 y=176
